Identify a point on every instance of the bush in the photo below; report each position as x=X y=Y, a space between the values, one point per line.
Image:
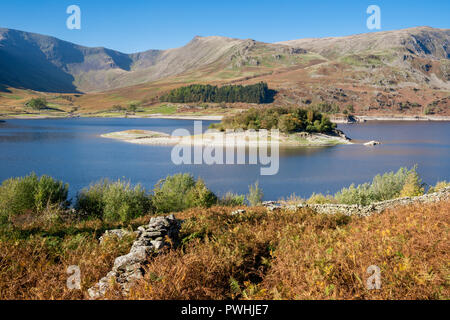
x=89 y=202
x=383 y=187
x=318 y=198
x=124 y=203
x=439 y=186
x=133 y=107
x=255 y=195
x=181 y=191
x=113 y=201
x=413 y=186
x=200 y=196
x=232 y=200
x=31 y=195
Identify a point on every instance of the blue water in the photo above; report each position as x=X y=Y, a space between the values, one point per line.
x=71 y=150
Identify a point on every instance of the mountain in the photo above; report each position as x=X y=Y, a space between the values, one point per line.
x=378 y=69
x=44 y=63
x=420 y=41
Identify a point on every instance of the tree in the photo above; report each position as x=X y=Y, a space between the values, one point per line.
x=413 y=186
x=37 y=103
x=286 y=119
x=133 y=107
x=255 y=93
x=288 y=123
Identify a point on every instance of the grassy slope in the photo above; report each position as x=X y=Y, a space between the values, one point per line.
x=258 y=255
x=341 y=83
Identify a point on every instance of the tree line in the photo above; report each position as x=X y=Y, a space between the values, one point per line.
x=254 y=93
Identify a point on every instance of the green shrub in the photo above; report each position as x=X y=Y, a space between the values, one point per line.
x=318 y=198
x=413 y=186
x=181 y=191
x=355 y=195
x=439 y=186
x=383 y=187
x=232 y=200
x=255 y=195
x=113 y=201
x=124 y=203
x=90 y=202
x=31 y=194
x=201 y=196
x=133 y=107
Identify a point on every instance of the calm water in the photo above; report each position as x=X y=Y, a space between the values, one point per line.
x=71 y=150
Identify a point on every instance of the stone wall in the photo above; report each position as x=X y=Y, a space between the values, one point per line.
x=150 y=239
x=358 y=210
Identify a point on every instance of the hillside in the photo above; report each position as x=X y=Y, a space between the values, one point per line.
x=394 y=72
x=48 y=64
x=259 y=254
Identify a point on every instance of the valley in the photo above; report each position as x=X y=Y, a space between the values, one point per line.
x=402 y=72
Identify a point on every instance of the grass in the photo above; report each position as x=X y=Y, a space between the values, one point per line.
x=11 y=96
x=255 y=255
x=162 y=109
x=34 y=258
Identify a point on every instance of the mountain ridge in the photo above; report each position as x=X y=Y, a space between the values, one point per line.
x=47 y=63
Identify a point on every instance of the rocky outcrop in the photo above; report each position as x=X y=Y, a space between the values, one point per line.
x=372 y=143
x=358 y=210
x=151 y=239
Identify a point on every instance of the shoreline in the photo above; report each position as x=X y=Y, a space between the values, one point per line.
x=362 y=119
x=180 y=117
x=357 y=119
x=221 y=139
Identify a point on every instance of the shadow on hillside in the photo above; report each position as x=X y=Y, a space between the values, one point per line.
x=4 y=88
x=270 y=97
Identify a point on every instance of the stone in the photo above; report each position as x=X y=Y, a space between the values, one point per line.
x=372 y=143
x=272 y=205
x=139 y=255
x=158 y=244
x=119 y=233
x=151 y=234
x=357 y=210
x=129 y=268
x=238 y=212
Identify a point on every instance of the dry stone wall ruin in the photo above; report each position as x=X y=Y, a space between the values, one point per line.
x=359 y=210
x=150 y=239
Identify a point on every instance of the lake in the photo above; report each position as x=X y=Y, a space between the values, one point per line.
x=73 y=151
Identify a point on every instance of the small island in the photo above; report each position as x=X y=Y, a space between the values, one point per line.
x=296 y=126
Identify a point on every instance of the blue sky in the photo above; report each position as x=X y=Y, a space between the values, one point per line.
x=138 y=25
